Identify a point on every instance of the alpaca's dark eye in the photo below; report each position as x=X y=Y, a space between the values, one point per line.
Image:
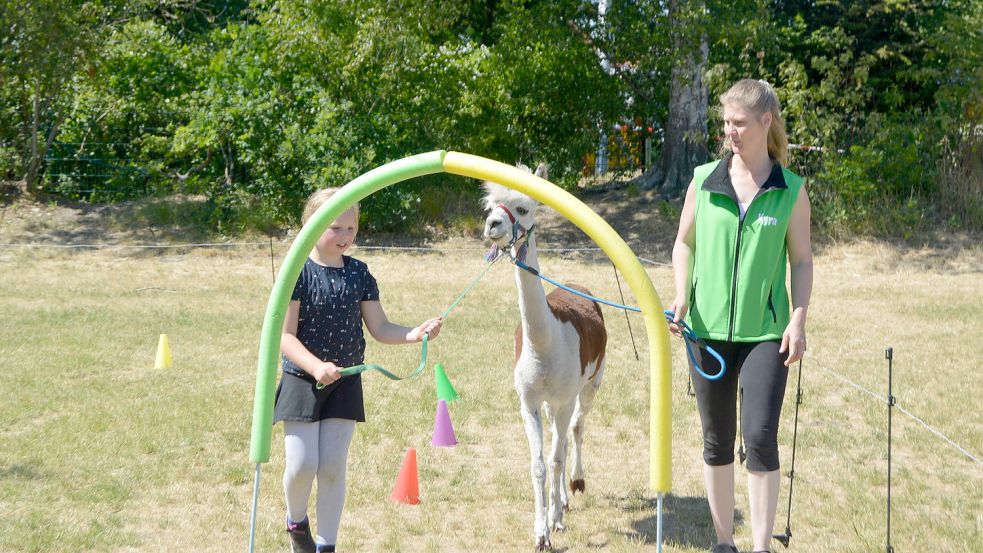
x=521 y=210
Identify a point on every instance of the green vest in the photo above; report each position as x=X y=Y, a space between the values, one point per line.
x=737 y=290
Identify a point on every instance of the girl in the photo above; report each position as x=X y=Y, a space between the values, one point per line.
x=322 y=334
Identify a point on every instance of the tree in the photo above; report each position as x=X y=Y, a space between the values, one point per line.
x=47 y=44
x=684 y=144
x=310 y=94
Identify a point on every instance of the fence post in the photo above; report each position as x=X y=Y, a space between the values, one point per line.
x=889 y=355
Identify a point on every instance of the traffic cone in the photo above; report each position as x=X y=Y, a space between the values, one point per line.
x=443 y=430
x=407 y=488
x=445 y=390
x=163 y=354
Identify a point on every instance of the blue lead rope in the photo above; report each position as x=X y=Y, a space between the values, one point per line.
x=525 y=267
x=689 y=336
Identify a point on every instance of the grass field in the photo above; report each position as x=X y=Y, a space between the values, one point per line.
x=101 y=452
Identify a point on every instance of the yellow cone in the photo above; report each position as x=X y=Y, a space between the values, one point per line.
x=163 y=354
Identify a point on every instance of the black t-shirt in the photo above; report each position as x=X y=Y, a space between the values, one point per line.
x=330 y=321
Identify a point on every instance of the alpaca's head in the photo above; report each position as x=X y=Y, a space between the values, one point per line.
x=506 y=207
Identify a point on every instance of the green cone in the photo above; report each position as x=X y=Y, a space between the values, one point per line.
x=445 y=391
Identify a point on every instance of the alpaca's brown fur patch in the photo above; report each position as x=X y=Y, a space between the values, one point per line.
x=585 y=316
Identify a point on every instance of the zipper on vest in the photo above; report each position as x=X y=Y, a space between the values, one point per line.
x=733 y=280
x=771 y=306
x=737 y=262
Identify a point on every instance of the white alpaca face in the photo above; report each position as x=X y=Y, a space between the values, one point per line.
x=504 y=213
x=506 y=208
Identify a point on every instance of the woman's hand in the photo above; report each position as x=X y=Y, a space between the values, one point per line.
x=679 y=306
x=794 y=340
x=431 y=327
x=326 y=373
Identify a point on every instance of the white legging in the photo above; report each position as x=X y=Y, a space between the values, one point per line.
x=317 y=449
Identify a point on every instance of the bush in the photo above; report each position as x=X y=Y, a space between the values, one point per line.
x=882 y=186
x=961 y=177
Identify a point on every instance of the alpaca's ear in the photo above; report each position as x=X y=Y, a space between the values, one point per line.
x=542 y=171
x=522 y=166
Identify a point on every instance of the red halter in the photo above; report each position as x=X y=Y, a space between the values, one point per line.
x=507 y=212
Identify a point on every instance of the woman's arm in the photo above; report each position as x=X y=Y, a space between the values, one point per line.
x=799 y=244
x=682 y=254
x=291 y=346
x=388 y=332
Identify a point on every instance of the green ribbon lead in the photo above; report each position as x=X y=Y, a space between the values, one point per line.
x=357 y=369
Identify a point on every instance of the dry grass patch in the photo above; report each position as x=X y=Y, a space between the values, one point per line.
x=101 y=452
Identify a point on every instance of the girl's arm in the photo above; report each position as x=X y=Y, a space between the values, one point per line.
x=388 y=332
x=682 y=253
x=291 y=346
x=799 y=244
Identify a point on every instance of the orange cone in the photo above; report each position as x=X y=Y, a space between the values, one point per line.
x=407 y=488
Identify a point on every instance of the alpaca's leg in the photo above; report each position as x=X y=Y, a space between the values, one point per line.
x=561 y=425
x=533 y=424
x=584 y=403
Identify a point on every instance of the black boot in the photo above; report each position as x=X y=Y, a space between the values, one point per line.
x=724 y=548
x=301 y=540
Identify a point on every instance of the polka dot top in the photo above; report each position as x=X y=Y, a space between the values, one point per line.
x=330 y=322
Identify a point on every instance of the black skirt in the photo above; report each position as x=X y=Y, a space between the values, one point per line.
x=298 y=399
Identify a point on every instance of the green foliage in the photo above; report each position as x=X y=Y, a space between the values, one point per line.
x=881 y=186
x=961 y=176
x=874 y=83
x=544 y=90
x=308 y=97
x=255 y=105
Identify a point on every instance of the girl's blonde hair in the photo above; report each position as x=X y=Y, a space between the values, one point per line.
x=759 y=97
x=316 y=200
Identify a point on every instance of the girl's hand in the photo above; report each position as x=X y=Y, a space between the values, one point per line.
x=326 y=373
x=794 y=341
x=679 y=306
x=431 y=327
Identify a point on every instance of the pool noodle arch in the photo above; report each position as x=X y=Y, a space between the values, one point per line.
x=660 y=432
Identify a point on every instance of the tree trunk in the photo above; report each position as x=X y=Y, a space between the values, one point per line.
x=38 y=152
x=686 y=128
x=31 y=172
x=686 y=131
x=230 y=162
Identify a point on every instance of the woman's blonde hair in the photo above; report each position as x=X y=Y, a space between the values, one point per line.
x=316 y=200
x=759 y=97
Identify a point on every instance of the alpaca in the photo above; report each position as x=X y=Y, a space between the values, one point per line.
x=559 y=357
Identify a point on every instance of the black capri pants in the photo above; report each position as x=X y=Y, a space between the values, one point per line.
x=758 y=371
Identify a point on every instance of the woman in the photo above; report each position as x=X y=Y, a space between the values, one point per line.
x=743 y=216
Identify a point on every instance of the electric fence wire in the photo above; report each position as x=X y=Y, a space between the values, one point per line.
x=131 y=246
x=241 y=244
x=911 y=415
x=840 y=377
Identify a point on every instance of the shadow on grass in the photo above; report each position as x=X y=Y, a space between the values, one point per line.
x=23 y=471
x=686 y=521
x=179 y=218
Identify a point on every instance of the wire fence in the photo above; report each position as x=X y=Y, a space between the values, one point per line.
x=430 y=249
x=938 y=433
x=192 y=245
x=101 y=171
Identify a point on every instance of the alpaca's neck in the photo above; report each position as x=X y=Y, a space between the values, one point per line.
x=537 y=319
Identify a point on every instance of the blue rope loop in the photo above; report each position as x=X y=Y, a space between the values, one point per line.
x=690 y=337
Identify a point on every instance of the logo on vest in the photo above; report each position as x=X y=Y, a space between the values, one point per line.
x=767 y=220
